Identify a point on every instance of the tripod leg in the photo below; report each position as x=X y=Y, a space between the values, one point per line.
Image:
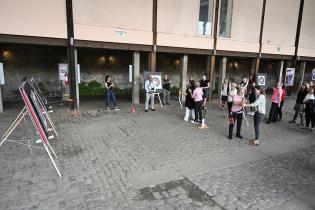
x=52 y=124
x=52 y=160
x=16 y=119
x=51 y=149
x=4 y=138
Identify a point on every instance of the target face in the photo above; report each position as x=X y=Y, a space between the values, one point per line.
x=157 y=81
x=261 y=80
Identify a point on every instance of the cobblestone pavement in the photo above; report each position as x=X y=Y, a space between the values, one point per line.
x=123 y=160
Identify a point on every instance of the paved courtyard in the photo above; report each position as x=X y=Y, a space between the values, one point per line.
x=155 y=160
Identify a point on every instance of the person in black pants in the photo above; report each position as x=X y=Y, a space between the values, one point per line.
x=283 y=96
x=299 y=105
x=237 y=113
x=276 y=102
x=309 y=109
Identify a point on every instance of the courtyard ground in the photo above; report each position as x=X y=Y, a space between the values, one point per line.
x=155 y=160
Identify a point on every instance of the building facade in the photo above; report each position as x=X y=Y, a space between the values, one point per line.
x=222 y=38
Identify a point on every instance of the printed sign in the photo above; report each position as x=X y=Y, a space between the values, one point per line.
x=313 y=75
x=63 y=70
x=261 y=80
x=130 y=73
x=1 y=74
x=78 y=74
x=156 y=77
x=289 y=77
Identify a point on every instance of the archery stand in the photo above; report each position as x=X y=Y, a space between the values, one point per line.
x=17 y=121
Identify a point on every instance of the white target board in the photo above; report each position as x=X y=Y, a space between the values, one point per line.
x=261 y=80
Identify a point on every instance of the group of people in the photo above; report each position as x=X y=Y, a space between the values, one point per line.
x=239 y=99
x=196 y=96
x=305 y=106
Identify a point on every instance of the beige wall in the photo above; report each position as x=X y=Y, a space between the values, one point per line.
x=307 y=36
x=245 y=29
x=43 y=18
x=98 y=20
x=280 y=26
x=177 y=25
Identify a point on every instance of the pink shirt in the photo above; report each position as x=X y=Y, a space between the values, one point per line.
x=276 y=96
x=197 y=94
x=237 y=107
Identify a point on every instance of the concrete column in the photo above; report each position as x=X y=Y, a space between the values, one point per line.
x=183 y=75
x=1 y=103
x=76 y=74
x=253 y=66
x=280 y=70
x=136 y=78
x=208 y=65
x=212 y=76
x=302 y=69
x=152 y=61
x=222 y=75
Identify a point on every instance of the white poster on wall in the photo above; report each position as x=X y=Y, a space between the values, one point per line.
x=289 y=77
x=1 y=74
x=313 y=75
x=130 y=73
x=62 y=70
x=78 y=74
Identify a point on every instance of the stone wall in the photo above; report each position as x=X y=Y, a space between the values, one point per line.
x=22 y=61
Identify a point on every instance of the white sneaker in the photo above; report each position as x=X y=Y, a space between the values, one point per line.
x=116 y=109
x=193 y=122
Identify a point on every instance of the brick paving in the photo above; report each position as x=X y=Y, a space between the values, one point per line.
x=155 y=160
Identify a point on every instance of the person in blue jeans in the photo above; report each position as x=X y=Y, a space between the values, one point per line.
x=109 y=85
x=260 y=112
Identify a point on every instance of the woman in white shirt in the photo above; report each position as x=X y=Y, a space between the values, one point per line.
x=260 y=112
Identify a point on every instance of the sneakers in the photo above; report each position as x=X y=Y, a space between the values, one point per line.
x=311 y=129
x=239 y=136
x=193 y=122
x=107 y=108
x=116 y=108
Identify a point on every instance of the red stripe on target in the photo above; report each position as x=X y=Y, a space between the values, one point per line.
x=30 y=107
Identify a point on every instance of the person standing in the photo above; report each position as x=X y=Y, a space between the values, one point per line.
x=189 y=102
x=224 y=93
x=205 y=85
x=232 y=91
x=150 y=89
x=283 y=96
x=110 y=95
x=197 y=95
x=237 y=113
x=166 y=84
x=309 y=101
x=260 y=111
x=252 y=97
x=276 y=100
x=299 y=104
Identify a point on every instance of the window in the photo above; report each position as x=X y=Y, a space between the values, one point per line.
x=225 y=19
x=205 y=17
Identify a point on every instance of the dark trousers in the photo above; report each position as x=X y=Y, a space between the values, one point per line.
x=238 y=117
x=229 y=106
x=309 y=116
x=258 y=118
x=273 y=114
x=198 y=111
x=110 y=95
x=280 y=111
